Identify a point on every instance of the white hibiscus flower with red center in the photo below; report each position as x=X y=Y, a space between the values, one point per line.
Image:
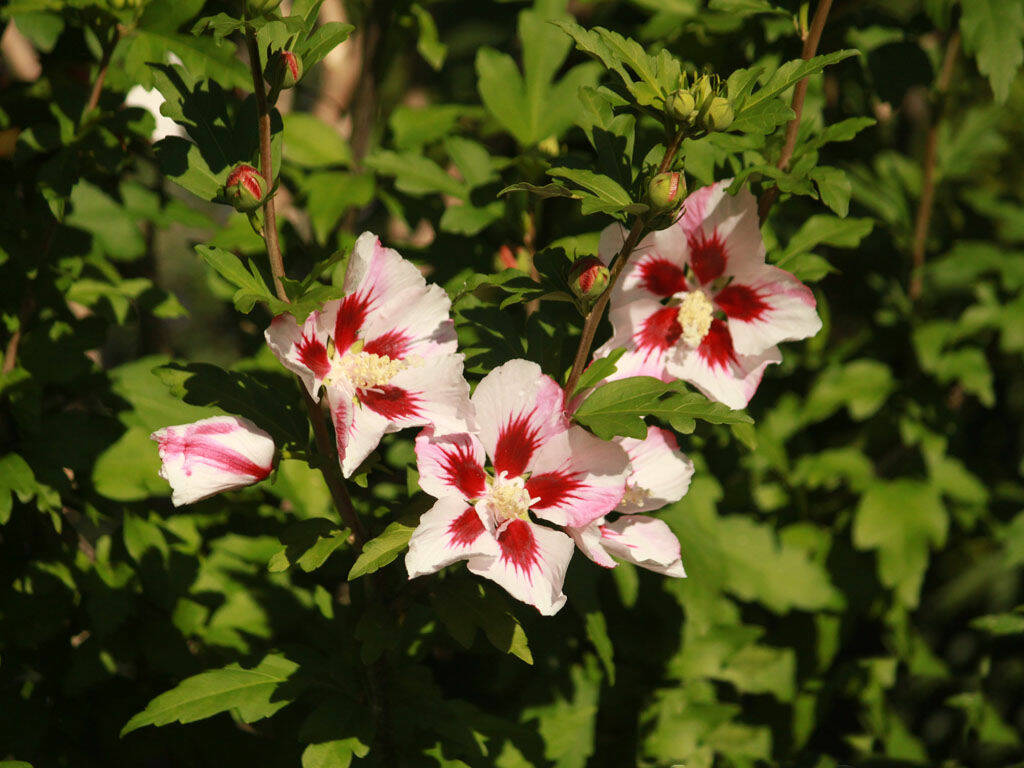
x=539 y=467
x=659 y=475
x=385 y=353
x=698 y=302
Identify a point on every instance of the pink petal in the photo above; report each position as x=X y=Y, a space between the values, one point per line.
x=213 y=455
x=648 y=331
x=646 y=542
x=518 y=408
x=300 y=349
x=451 y=531
x=589 y=542
x=357 y=429
x=438 y=394
x=655 y=268
x=717 y=370
x=414 y=322
x=659 y=472
x=531 y=565
x=765 y=306
x=450 y=465
x=393 y=403
x=722 y=232
x=577 y=478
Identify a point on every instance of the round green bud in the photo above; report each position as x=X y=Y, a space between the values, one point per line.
x=719 y=114
x=665 y=191
x=245 y=188
x=681 y=106
x=259 y=7
x=588 y=277
x=702 y=91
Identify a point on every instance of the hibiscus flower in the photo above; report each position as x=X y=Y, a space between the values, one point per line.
x=522 y=464
x=659 y=475
x=207 y=457
x=698 y=302
x=385 y=353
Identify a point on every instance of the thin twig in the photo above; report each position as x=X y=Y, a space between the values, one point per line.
x=931 y=149
x=101 y=75
x=593 y=318
x=324 y=444
x=11 y=352
x=811 y=40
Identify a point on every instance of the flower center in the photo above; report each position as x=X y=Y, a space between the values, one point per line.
x=635 y=496
x=695 y=315
x=507 y=498
x=367 y=370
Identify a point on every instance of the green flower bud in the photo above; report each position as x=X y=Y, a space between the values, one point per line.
x=284 y=67
x=702 y=91
x=719 y=114
x=681 y=106
x=588 y=277
x=666 y=191
x=245 y=188
x=259 y=7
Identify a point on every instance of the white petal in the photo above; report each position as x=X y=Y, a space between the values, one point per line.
x=213 y=455
x=732 y=381
x=655 y=267
x=531 y=565
x=589 y=541
x=660 y=473
x=643 y=327
x=412 y=323
x=451 y=531
x=518 y=408
x=440 y=391
x=379 y=272
x=577 y=478
x=646 y=542
x=450 y=465
x=301 y=349
x=765 y=306
x=713 y=215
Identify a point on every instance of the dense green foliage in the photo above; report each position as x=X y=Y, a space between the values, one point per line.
x=854 y=541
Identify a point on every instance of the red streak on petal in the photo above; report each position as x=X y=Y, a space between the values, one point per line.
x=716 y=349
x=465 y=529
x=393 y=403
x=516 y=444
x=351 y=316
x=293 y=65
x=313 y=354
x=463 y=472
x=659 y=331
x=212 y=455
x=661 y=277
x=741 y=302
x=518 y=546
x=393 y=344
x=553 y=488
x=707 y=255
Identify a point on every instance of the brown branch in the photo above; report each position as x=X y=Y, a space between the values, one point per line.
x=593 y=318
x=101 y=75
x=330 y=468
x=811 y=40
x=923 y=218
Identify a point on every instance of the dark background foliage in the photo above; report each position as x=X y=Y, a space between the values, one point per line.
x=854 y=593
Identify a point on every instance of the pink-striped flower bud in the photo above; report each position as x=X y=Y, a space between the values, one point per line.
x=245 y=188
x=588 y=277
x=213 y=455
x=286 y=68
x=666 y=191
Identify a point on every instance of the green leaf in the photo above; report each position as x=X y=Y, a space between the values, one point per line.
x=382 y=550
x=827 y=230
x=902 y=520
x=312 y=143
x=862 y=386
x=465 y=606
x=308 y=544
x=599 y=370
x=321 y=42
x=834 y=188
x=416 y=175
x=1001 y=624
x=992 y=31
x=428 y=44
x=251 y=287
x=127 y=470
x=603 y=187
x=251 y=693
x=568 y=724
x=619 y=408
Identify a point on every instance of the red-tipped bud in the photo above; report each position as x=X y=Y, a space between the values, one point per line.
x=285 y=67
x=245 y=188
x=588 y=277
x=665 y=191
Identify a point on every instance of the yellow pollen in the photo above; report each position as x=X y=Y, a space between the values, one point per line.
x=635 y=496
x=366 y=370
x=695 y=315
x=507 y=498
